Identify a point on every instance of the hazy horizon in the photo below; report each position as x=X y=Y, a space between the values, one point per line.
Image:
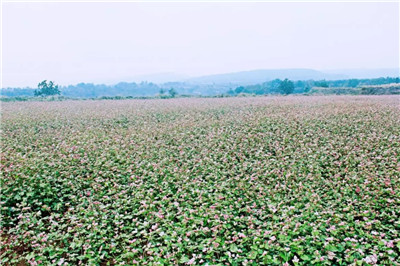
x=107 y=42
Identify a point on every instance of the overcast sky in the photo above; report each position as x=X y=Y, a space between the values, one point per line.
x=108 y=42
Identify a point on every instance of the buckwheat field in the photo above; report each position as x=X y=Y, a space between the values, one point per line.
x=230 y=181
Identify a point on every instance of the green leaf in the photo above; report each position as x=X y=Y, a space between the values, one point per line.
x=284 y=256
x=253 y=255
x=184 y=259
x=233 y=248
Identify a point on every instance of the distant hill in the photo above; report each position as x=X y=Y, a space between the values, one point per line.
x=160 y=77
x=263 y=81
x=262 y=75
x=157 y=78
x=366 y=73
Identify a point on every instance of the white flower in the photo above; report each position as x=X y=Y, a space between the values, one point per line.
x=331 y=255
x=372 y=259
x=192 y=261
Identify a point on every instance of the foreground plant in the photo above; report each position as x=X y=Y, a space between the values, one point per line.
x=285 y=180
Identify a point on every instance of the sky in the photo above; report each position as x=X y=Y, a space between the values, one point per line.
x=111 y=42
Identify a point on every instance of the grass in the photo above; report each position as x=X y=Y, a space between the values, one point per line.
x=263 y=180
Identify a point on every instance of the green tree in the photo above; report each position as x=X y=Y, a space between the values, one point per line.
x=47 y=89
x=172 y=92
x=352 y=83
x=162 y=91
x=230 y=92
x=322 y=84
x=239 y=89
x=286 y=86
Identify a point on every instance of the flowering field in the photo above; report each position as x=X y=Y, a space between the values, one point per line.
x=285 y=180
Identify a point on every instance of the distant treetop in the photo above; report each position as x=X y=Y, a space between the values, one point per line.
x=47 y=89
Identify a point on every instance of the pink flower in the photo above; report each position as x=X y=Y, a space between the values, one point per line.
x=331 y=255
x=372 y=259
x=390 y=244
x=332 y=228
x=32 y=262
x=192 y=261
x=159 y=215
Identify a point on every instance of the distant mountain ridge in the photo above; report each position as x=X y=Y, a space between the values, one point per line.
x=262 y=75
x=366 y=73
x=261 y=81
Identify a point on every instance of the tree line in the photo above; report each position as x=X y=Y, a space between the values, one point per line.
x=286 y=86
x=168 y=90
